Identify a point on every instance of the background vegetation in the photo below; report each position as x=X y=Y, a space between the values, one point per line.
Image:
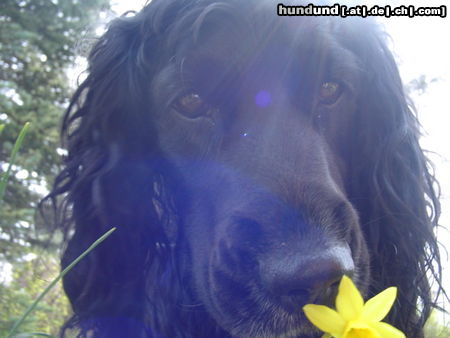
x=39 y=42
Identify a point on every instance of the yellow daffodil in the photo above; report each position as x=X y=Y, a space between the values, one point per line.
x=353 y=318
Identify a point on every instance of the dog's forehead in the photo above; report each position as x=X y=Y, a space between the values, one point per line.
x=221 y=35
x=222 y=27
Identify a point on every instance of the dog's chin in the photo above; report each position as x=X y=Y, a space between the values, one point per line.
x=264 y=321
x=273 y=328
x=268 y=333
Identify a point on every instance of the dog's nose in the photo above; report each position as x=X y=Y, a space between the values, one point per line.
x=299 y=278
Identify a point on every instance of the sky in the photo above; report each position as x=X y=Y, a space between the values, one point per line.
x=421 y=46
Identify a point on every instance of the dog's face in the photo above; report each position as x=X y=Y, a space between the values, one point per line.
x=255 y=114
x=248 y=161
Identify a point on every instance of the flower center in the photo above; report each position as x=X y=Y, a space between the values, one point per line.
x=356 y=329
x=360 y=333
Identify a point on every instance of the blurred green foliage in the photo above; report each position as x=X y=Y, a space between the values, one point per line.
x=30 y=277
x=437 y=326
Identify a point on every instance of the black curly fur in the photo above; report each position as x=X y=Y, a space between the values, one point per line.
x=126 y=168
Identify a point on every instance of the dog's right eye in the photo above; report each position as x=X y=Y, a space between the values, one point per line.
x=191 y=105
x=330 y=92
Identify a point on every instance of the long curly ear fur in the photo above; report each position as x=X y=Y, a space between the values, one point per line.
x=109 y=179
x=392 y=184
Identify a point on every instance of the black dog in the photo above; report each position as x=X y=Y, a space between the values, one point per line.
x=248 y=161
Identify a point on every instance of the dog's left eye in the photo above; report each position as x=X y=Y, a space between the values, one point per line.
x=191 y=105
x=329 y=92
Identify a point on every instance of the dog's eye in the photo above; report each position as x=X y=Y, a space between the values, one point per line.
x=329 y=92
x=191 y=105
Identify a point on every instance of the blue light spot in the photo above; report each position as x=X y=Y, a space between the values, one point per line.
x=263 y=98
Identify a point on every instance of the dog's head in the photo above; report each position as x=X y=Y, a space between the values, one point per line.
x=249 y=161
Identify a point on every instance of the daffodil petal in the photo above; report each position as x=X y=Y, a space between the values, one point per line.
x=378 y=307
x=349 y=302
x=324 y=318
x=387 y=331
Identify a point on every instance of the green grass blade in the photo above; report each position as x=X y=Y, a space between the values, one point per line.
x=12 y=158
x=56 y=280
x=2 y=126
x=32 y=334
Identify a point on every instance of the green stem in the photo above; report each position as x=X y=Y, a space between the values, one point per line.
x=12 y=158
x=56 y=280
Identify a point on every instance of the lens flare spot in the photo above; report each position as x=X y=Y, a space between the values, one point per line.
x=263 y=99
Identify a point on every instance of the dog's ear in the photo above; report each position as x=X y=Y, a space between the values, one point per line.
x=112 y=178
x=391 y=181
